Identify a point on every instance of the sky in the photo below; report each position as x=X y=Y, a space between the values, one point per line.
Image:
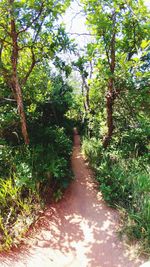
x=74 y=20
x=75 y=24
x=147 y=3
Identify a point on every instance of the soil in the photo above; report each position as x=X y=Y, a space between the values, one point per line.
x=78 y=231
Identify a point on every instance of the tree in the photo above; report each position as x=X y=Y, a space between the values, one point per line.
x=119 y=27
x=27 y=36
x=84 y=66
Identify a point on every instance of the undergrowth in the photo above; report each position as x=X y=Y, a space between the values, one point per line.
x=124 y=180
x=31 y=175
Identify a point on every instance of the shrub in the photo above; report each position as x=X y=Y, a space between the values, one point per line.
x=27 y=174
x=16 y=213
x=124 y=183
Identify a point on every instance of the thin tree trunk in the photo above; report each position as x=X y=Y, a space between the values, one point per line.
x=15 y=86
x=109 y=106
x=111 y=95
x=21 y=113
x=86 y=96
x=83 y=98
x=83 y=118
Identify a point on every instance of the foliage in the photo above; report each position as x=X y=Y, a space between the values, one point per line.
x=43 y=168
x=122 y=179
x=39 y=172
x=111 y=110
x=117 y=127
x=28 y=37
x=16 y=214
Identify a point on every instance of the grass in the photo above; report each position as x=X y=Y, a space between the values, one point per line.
x=16 y=214
x=125 y=184
x=28 y=174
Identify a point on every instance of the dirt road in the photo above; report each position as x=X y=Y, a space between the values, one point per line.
x=79 y=231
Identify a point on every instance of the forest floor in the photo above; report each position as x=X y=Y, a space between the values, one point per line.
x=78 y=231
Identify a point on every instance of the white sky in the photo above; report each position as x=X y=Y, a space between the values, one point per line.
x=74 y=20
x=147 y=3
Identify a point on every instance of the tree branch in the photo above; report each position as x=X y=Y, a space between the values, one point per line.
x=4 y=100
x=80 y=34
x=38 y=31
x=4 y=41
x=112 y=44
x=24 y=80
x=33 y=21
x=3 y=70
x=106 y=49
x=5 y=29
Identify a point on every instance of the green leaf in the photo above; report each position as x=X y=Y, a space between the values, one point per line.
x=145 y=43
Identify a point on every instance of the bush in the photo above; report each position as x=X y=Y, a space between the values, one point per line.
x=28 y=173
x=16 y=213
x=92 y=149
x=134 y=141
x=124 y=183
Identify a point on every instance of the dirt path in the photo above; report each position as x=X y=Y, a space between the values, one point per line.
x=79 y=231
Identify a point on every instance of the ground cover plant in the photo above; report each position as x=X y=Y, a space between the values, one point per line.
x=35 y=140
x=27 y=175
x=40 y=103
x=115 y=107
x=125 y=184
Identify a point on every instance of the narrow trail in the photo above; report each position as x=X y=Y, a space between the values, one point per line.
x=79 y=231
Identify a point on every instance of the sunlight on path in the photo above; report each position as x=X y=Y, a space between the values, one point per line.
x=79 y=231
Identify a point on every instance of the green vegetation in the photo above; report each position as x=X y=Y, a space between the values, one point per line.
x=39 y=108
x=117 y=127
x=35 y=134
x=124 y=181
x=28 y=174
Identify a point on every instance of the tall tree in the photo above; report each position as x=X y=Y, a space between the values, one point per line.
x=84 y=66
x=27 y=36
x=119 y=28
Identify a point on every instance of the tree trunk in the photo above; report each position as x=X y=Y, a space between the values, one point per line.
x=15 y=86
x=111 y=95
x=21 y=113
x=109 y=106
x=86 y=96
x=87 y=99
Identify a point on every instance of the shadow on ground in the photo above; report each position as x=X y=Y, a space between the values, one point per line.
x=79 y=231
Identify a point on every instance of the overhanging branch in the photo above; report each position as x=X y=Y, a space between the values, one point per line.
x=33 y=21
x=24 y=80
